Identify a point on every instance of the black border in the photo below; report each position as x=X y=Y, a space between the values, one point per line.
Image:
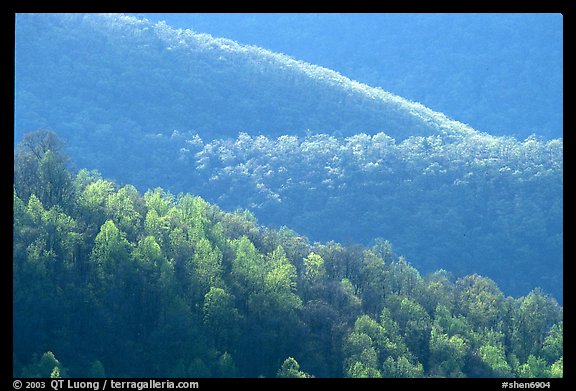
x=565 y=7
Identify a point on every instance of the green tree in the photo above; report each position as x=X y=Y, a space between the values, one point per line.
x=557 y=368
x=361 y=358
x=291 y=369
x=534 y=367
x=204 y=268
x=314 y=270
x=415 y=323
x=40 y=169
x=125 y=208
x=220 y=316
x=401 y=367
x=553 y=346
x=110 y=249
x=479 y=300
x=374 y=285
x=92 y=201
x=495 y=358
x=45 y=367
x=248 y=268
x=536 y=314
x=280 y=283
x=148 y=254
x=446 y=354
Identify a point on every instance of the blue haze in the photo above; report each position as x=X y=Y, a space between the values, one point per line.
x=306 y=147
x=499 y=73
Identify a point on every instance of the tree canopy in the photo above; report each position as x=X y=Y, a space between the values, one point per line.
x=161 y=285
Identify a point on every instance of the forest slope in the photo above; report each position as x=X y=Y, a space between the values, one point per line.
x=122 y=284
x=102 y=71
x=300 y=145
x=498 y=72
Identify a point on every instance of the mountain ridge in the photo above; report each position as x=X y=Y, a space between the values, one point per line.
x=261 y=63
x=150 y=105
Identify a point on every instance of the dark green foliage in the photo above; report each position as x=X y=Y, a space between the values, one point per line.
x=122 y=284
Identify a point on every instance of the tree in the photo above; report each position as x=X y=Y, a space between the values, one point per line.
x=226 y=367
x=280 y=283
x=401 y=368
x=45 y=367
x=553 y=346
x=415 y=323
x=123 y=207
x=535 y=367
x=110 y=249
x=536 y=314
x=40 y=169
x=92 y=202
x=361 y=358
x=220 y=316
x=248 y=268
x=204 y=268
x=495 y=358
x=446 y=354
x=374 y=275
x=314 y=270
x=291 y=369
x=480 y=300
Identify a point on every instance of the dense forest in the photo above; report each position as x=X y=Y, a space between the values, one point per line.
x=297 y=144
x=498 y=72
x=108 y=281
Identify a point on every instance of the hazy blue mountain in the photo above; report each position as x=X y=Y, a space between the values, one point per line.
x=299 y=144
x=107 y=69
x=500 y=73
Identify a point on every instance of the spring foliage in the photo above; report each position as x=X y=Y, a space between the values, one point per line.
x=110 y=282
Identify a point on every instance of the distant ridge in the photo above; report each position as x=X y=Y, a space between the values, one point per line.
x=155 y=64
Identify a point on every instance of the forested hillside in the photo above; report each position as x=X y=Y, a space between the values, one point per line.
x=111 y=73
x=498 y=72
x=297 y=144
x=108 y=281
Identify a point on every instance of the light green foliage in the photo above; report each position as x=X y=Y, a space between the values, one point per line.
x=480 y=300
x=248 y=268
x=314 y=270
x=446 y=354
x=46 y=366
x=439 y=291
x=110 y=249
x=536 y=314
x=495 y=358
x=535 y=367
x=159 y=200
x=361 y=356
x=291 y=369
x=95 y=195
x=373 y=280
x=557 y=369
x=280 y=282
x=553 y=346
x=402 y=367
x=122 y=206
x=207 y=264
x=148 y=254
x=175 y=286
